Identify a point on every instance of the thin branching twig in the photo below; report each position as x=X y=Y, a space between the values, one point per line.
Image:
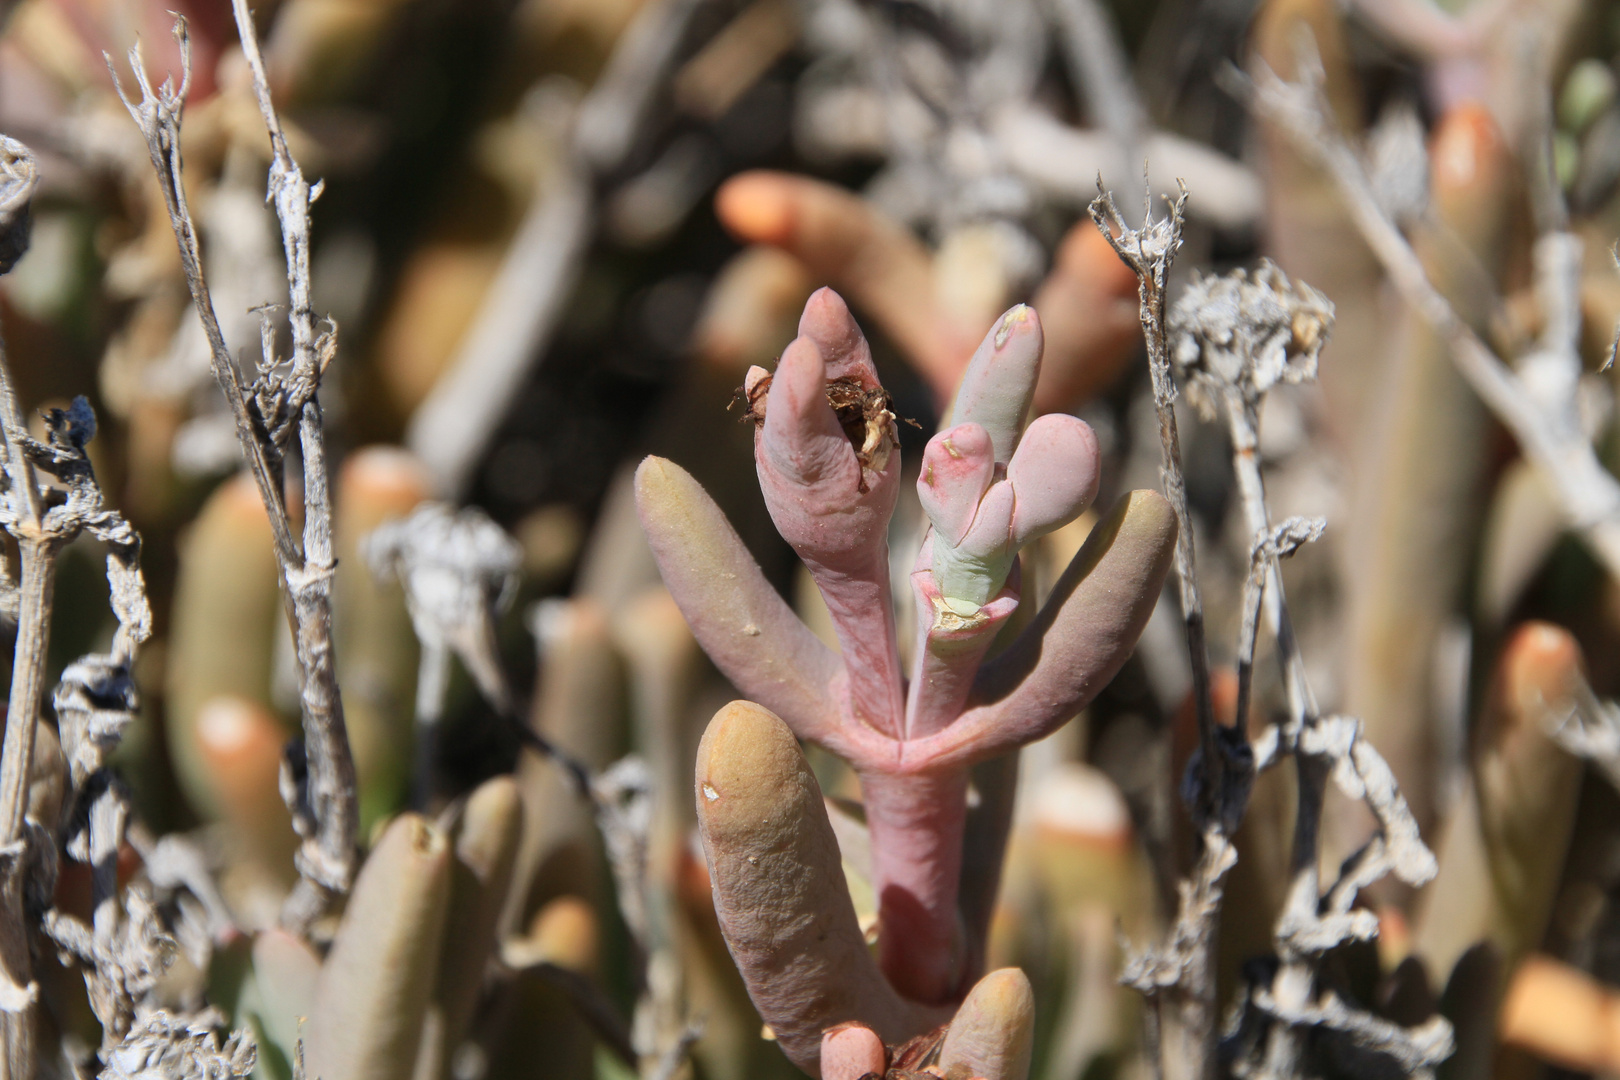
x=281 y=401
x=1182 y=973
x=1546 y=426
x=32 y=592
x=1237 y=337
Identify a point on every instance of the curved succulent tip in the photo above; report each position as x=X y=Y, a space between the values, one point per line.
x=1054 y=474
x=802 y=441
x=828 y=324
x=993 y=1033
x=779 y=889
x=1541 y=669
x=850 y=1052
x=758 y=207
x=827 y=451
x=1000 y=380
x=374 y=987
x=958 y=467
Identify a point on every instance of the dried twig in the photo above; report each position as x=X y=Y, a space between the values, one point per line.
x=525 y=302
x=44 y=513
x=172 y=1046
x=281 y=400
x=458 y=570
x=1541 y=418
x=1101 y=67
x=1183 y=972
x=1238 y=337
x=22 y=513
x=1149 y=251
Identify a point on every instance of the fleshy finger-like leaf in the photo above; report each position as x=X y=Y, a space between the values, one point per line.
x=993 y=1033
x=779 y=889
x=375 y=984
x=851 y=1052
x=1053 y=474
x=1000 y=379
x=1074 y=646
x=957 y=467
x=743 y=623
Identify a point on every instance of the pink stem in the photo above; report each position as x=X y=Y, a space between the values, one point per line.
x=949 y=651
x=916 y=825
x=862 y=611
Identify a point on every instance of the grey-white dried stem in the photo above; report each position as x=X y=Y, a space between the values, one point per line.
x=1099 y=64
x=1149 y=252
x=158 y=115
x=326 y=861
x=670 y=1062
x=36 y=586
x=1589 y=492
x=34 y=591
x=1243 y=419
x=327 y=858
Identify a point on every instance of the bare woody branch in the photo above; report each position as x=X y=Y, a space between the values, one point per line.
x=1237 y=337
x=280 y=401
x=1149 y=252
x=1546 y=428
x=1182 y=974
x=20 y=509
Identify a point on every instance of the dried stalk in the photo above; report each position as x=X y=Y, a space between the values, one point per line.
x=38 y=541
x=1542 y=418
x=1102 y=68
x=1237 y=338
x=458 y=570
x=527 y=299
x=125 y=950
x=1184 y=971
x=280 y=400
x=1149 y=252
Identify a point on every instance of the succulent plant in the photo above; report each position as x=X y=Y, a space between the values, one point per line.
x=828 y=460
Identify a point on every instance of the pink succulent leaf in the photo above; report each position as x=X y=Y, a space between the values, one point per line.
x=739 y=618
x=957 y=467
x=1074 y=645
x=779 y=890
x=1000 y=379
x=826 y=321
x=1054 y=475
x=806 y=451
x=833 y=510
x=969 y=573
